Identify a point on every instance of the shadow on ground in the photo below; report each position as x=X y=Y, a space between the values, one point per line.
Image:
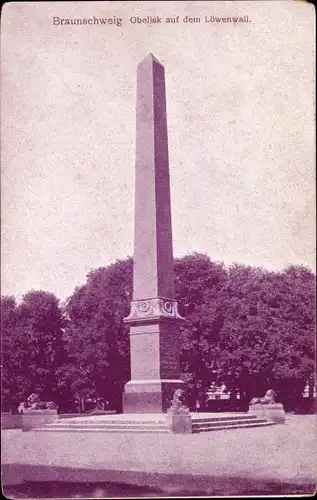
x=25 y=481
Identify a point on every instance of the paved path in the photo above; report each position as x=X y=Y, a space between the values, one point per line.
x=285 y=453
x=146 y=417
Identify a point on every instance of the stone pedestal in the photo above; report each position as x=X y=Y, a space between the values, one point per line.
x=149 y=396
x=9 y=421
x=37 y=418
x=271 y=412
x=179 y=421
x=155 y=356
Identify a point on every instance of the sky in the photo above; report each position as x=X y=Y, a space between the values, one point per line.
x=240 y=110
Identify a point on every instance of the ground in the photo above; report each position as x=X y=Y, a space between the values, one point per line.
x=280 y=459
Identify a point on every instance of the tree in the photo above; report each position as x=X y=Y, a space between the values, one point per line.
x=199 y=283
x=32 y=346
x=247 y=328
x=9 y=353
x=97 y=339
x=292 y=331
x=267 y=339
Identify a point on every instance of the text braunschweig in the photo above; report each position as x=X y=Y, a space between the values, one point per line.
x=58 y=21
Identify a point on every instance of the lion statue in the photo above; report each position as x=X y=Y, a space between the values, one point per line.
x=33 y=402
x=177 y=403
x=269 y=398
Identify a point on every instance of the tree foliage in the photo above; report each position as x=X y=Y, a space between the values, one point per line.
x=249 y=329
x=97 y=339
x=32 y=346
x=199 y=287
x=246 y=327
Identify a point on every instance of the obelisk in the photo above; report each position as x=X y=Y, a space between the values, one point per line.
x=154 y=320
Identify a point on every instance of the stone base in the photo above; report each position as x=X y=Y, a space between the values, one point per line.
x=173 y=422
x=37 y=418
x=149 y=396
x=179 y=422
x=273 y=412
x=9 y=421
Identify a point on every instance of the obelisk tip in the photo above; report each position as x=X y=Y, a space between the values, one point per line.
x=151 y=58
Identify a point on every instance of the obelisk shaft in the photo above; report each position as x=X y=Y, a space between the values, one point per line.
x=154 y=319
x=153 y=251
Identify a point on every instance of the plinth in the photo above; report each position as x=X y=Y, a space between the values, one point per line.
x=155 y=356
x=273 y=412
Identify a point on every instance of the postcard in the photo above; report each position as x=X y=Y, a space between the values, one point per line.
x=158 y=249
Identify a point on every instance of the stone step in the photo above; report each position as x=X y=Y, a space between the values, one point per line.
x=139 y=426
x=204 y=428
x=223 y=418
x=152 y=423
x=226 y=422
x=145 y=425
x=234 y=426
x=104 y=426
x=103 y=429
x=156 y=422
x=107 y=422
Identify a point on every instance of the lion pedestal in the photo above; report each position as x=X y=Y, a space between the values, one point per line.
x=179 y=421
x=273 y=412
x=35 y=413
x=267 y=408
x=178 y=415
x=37 y=418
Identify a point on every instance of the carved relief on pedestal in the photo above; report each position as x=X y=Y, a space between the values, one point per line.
x=156 y=307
